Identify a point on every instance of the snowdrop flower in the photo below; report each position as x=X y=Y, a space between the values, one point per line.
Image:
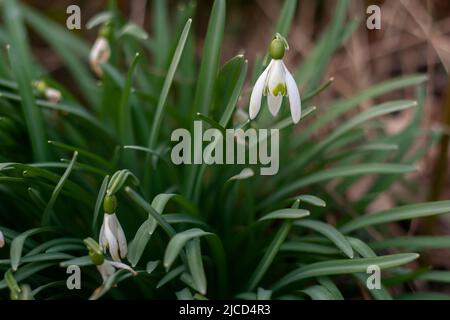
x=112 y=236
x=105 y=267
x=2 y=240
x=100 y=51
x=52 y=95
x=276 y=82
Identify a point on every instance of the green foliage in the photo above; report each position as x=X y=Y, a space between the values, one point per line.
x=202 y=231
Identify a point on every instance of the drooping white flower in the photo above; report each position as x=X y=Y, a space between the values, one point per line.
x=99 y=54
x=105 y=267
x=275 y=82
x=52 y=95
x=111 y=236
x=2 y=240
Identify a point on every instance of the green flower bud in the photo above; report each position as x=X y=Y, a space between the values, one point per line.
x=277 y=49
x=14 y=289
x=105 y=30
x=110 y=204
x=40 y=86
x=95 y=251
x=96 y=258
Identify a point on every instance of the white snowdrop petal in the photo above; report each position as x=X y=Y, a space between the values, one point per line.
x=274 y=103
x=295 y=102
x=2 y=240
x=106 y=270
x=121 y=265
x=276 y=75
x=112 y=241
x=121 y=239
x=52 y=95
x=99 y=54
x=102 y=239
x=256 y=96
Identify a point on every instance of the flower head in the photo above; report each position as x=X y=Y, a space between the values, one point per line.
x=51 y=94
x=100 y=51
x=276 y=82
x=112 y=236
x=105 y=267
x=2 y=240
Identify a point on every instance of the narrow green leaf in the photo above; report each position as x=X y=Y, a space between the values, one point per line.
x=269 y=255
x=148 y=208
x=297 y=246
x=99 y=204
x=178 y=242
x=139 y=242
x=80 y=261
x=18 y=242
x=184 y=294
x=170 y=276
x=27 y=271
x=331 y=287
x=377 y=111
x=151 y=266
x=22 y=69
x=124 y=114
x=423 y=296
x=263 y=294
x=166 y=87
x=316 y=201
x=286 y=214
x=195 y=264
x=118 y=180
x=344 y=105
x=162 y=31
x=330 y=232
x=99 y=18
x=210 y=58
x=133 y=30
x=435 y=276
x=332 y=267
x=397 y=214
x=158 y=117
x=336 y=172
x=211 y=121
x=318 y=293
x=244 y=174
x=416 y=243
x=48 y=212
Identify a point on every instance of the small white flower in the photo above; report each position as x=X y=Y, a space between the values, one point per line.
x=275 y=82
x=2 y=240
x=107 y=268
x=99 y=54
x=52 y=95
x=112 y=237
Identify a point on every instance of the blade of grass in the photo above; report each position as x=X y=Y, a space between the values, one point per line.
x=397 y=214
x=344 y=171
x=162 y=98
x=195 y=264
x=330 y=232
x=22 y=68
x=48 y=212
x=333 y=267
